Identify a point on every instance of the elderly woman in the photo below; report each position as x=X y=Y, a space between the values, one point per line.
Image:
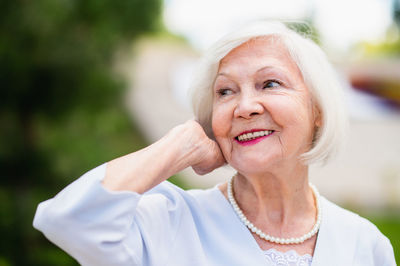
x=267 y=103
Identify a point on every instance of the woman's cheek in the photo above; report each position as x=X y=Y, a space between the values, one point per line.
x=286 y=110
x=222 y=125
x=221 y=122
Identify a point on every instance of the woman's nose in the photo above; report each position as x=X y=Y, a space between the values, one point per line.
x=249 y=105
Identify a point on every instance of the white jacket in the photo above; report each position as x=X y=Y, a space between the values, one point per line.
x=169 y=226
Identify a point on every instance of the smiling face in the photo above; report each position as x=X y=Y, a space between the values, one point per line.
x=263 y=115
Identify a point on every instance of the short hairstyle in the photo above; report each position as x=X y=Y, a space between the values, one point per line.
x=318 y=74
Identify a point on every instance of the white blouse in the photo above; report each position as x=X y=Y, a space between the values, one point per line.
x=172 y=227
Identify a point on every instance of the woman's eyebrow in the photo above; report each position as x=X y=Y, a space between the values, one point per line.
x=276 y=70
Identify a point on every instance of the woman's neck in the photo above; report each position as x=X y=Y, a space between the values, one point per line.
x=277 y=198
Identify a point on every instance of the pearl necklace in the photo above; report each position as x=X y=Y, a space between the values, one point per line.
x=261 y=234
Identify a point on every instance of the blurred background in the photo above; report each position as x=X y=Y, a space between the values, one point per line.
x=83 y=82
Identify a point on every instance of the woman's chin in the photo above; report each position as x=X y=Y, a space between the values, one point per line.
x=253 y=166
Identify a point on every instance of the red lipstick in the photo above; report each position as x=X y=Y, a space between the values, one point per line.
x=255 y=140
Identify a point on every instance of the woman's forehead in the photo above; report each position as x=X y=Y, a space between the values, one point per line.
x=258 y=45
x=256 y=54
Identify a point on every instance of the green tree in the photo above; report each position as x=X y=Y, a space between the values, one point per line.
x=59 y=97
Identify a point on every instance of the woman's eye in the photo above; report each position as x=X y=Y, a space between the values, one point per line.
x=271 y=84
x=224 y=92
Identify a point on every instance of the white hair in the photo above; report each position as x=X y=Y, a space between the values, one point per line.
x=318 y=74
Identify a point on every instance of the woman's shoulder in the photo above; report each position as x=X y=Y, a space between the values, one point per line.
x=169 y=200
x=347 y=218
x=196 y=198
x=354 y=239
x=168 y=188
x=365 y=232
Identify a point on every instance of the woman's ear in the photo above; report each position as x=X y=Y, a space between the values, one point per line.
x=317 y=122
x=317 y=116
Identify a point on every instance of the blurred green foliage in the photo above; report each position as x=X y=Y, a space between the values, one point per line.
x=60 y=106
x=305 y=28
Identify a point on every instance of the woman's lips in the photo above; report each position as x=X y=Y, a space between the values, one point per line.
x=253 y=136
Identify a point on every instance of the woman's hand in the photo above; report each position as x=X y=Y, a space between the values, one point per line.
x=207 y=154
x=183 y=146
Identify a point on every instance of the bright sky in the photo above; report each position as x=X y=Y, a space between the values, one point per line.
x=340 y=22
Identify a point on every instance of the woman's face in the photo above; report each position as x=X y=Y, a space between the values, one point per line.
x=263 y=114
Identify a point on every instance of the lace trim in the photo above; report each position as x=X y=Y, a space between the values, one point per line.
x=289 y=258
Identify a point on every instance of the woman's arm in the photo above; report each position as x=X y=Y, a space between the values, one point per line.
x=102 y=218
x=183 y=146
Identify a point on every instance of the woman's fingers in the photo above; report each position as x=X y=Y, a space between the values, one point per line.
x=210 y=159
